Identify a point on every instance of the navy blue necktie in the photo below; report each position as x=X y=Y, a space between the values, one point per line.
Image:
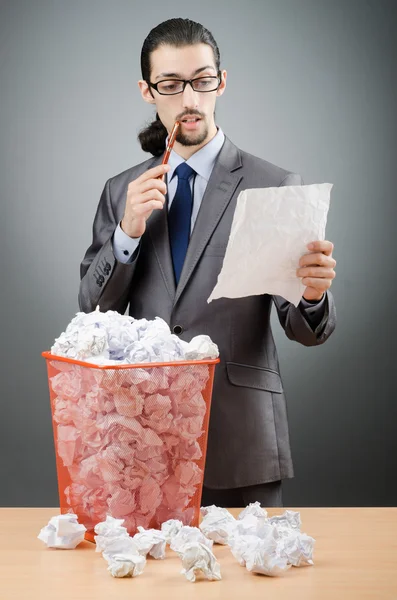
x=179 y=218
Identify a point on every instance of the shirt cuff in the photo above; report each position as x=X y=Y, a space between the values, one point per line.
x=124 y=247
x=312 y=303
x=313 y=311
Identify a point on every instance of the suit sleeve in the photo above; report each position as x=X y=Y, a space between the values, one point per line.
x=104 y=280
x=297 y=327
x=310 y=326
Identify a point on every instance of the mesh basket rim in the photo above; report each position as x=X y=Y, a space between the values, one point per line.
x=177 y=363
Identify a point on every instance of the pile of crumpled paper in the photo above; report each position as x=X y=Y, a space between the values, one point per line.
x=107 y=338
x=268 y=546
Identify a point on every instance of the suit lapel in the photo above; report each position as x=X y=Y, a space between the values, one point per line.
x=157 y=226
x=220 y=189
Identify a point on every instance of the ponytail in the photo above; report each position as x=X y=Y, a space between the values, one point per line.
x=152 y=138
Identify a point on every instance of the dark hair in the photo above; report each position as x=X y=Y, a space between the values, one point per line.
x=179 y=33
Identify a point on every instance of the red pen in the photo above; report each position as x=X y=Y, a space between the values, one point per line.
x=171 y=141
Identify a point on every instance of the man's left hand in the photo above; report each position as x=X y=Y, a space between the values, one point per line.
x=317 y=269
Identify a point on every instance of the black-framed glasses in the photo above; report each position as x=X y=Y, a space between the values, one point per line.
x=169 y=87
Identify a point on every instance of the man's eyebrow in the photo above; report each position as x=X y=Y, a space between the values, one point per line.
x=179 y=76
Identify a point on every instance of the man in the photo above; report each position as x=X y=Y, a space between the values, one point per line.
x=158 y=248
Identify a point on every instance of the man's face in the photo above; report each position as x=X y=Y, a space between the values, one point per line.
x=188 y=62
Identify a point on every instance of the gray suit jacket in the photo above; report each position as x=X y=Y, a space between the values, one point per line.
x=248 y=437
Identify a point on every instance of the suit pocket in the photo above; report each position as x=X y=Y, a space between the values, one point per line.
x=258 y=378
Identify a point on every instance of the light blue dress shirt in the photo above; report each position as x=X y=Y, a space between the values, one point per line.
x=202 y=162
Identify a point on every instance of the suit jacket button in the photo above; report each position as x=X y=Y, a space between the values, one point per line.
x=177 y=329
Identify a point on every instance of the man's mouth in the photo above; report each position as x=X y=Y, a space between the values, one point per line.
x=190 y=123
x=190 y=119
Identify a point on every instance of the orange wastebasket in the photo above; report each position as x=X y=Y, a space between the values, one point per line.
x=130 y=440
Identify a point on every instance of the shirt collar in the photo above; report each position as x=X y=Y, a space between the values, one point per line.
x=201 y=161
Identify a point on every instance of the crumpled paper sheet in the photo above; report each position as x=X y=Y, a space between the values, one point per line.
x=253 y=509
x=171 y=528
x=270 y=232
x=270 y=546
x=121 y=552
x=150 y=541
x=289 y=518
x=198 y=559
x=201 y=347
x=297 y=547
x=263 y=562
x=113 y=538
x=186 y=536
x=217 y=524
x=111 y=338
x=125 y=565
x=249 y=525
x=260 y=555
x=62 y=531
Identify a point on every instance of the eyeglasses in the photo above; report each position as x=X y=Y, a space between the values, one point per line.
x=169 y=87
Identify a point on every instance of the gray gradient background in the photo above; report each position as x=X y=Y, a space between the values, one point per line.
x=312 y=88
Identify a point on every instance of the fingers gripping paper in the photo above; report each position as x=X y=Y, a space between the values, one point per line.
x=270 y=230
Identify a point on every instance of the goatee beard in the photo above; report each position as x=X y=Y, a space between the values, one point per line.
x=186 y=140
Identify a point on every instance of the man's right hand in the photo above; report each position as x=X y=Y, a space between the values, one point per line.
x=144 y=195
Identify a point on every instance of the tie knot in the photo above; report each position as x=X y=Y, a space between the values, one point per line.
x=184 y=171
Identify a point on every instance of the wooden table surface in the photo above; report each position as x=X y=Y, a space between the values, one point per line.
x=355 y=557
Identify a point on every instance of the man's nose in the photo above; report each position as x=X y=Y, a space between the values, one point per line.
x=189 y=97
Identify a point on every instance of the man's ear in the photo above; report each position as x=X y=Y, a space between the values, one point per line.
x=146 y=92
x=222 y=86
